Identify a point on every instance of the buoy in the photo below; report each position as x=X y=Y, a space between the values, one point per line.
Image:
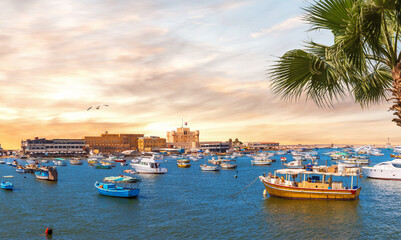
x=235 y=176
x=49 y=231
x=264 y=192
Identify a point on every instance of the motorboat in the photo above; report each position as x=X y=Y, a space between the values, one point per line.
x=129 y=186
x=283 y=159
x=390 y=170
x=294 y=164
x=101 y=166
x=205 y=167
x=183 y=160
x=226 y=165
x=150 y=165
x=303 y=184
x=47 y=173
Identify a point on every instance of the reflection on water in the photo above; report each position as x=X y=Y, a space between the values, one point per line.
x=312 y=218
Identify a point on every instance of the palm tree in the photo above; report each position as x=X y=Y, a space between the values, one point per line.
x=364 y=62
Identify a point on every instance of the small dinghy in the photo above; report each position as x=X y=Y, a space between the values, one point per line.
x=205 y=167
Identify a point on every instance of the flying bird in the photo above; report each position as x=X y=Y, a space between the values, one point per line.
x=97 y=107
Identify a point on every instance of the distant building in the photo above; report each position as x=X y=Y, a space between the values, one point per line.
x=51 y=147
x=149 y=144
x=263 y=145
x=220 y=147
x=183 y=138
x=112 y=143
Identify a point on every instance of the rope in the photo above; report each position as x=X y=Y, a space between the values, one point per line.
x=245 y=187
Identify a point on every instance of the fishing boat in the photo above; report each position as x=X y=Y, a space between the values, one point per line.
x=205 y=167
x=226 y=165
x=109 y=187
x=20 y=169
x=76 y=161
x=215 y=161
x=311 y=185
x=149 y=165
x=395 y=156
x=283 y=159
x=6 y=185
x=390 y=170
x=47 y=173
x=183 y=164
x=14 y=163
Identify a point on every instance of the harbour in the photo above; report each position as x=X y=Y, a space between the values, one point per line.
x=170 y=204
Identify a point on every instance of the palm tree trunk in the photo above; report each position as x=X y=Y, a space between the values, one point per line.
x=396 y=74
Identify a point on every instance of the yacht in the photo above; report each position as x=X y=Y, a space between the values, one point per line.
x=149 y=165
x=390 y=170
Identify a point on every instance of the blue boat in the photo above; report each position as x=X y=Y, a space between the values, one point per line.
x=47 y=173
x=109 y=187
x=6 y=185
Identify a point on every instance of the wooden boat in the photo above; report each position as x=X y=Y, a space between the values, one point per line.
x=205 y=167
x=395 y=156
x=47 y=173
x=226 y=165
x=102 y=166
x=215 y=161
x=183 y=160
x=20 y=169
x=76 y=161
x=183 y=164
x=60 y=162
x=311 y=185
x=109 y=186
x=261 y=162
x=7 y=186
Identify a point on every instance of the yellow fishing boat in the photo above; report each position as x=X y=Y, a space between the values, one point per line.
x=311 y=185
x=183 y=165
x=395 y=156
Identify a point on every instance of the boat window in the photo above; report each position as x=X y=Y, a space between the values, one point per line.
x=397 y=165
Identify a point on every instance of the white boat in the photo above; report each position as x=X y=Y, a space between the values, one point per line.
x=261 y=162
x=397 y=149
x=390 y=170
x=149 y=165
x=294 y=164
x=31 y=161
x=60 y=163
x=205 y=167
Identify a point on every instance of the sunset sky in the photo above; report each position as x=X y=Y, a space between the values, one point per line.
x=157 y=62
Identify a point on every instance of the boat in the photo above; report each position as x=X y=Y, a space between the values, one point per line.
x=102 y=166
x=60 y=162
x=14 y=163
x=261 y=162
x=183 y=160
x=283 y=159
x=2 y=161
x=205 y=167
x=395 y=156
x=31 y=161
x=311 y=185
x=20 y=169
x=47 y=173
x=397 y=149
x=120 y=160
x=149 y=165
x=389 y=170
x=294 y=164
x=109 y=187
x=6 y=185
x=183 y=165
x=76 y=161
x=226 y=165
x=215 y=161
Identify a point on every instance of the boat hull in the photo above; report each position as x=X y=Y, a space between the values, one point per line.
x=125 y=193
x=280 y=191
x=383 y=174
x=6 y=186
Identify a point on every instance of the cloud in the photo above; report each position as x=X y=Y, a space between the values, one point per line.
x=286 y=25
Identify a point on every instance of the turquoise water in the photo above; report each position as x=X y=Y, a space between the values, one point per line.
x=188 y=203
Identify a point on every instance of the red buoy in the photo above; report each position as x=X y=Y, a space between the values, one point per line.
x=49 y=231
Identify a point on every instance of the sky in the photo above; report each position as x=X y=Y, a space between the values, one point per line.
x=157 y=63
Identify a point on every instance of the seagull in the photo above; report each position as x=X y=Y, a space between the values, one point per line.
x=97 y=107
